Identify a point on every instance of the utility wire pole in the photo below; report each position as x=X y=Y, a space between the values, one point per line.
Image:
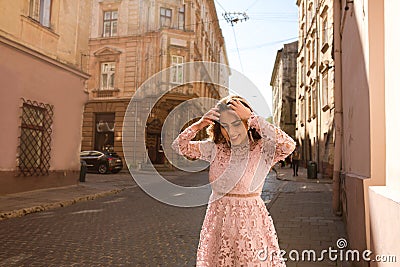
x=235 y=17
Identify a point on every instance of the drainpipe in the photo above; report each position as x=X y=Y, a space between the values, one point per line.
x=338 y=117
x=318 y=86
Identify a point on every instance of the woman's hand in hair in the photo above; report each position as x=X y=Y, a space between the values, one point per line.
x=208 y=118
x=243 y=112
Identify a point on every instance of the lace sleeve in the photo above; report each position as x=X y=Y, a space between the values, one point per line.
x=284 y=144
x=193 y=149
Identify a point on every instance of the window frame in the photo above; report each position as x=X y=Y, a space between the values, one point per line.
x=181 y=17
x=309 y=105
x=325 y=89
x=324 y=29
x=112 y=22
x=314 y=101
x=164 y=17
x=301 y=111
x=109 y=75
x=176 y=68
x=40 y=11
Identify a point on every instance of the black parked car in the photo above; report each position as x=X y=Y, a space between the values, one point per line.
x=102 y=161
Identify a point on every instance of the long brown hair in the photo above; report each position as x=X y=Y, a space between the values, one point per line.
x=214 y=130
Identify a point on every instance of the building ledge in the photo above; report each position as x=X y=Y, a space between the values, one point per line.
x=387 y=192
x=40 y=56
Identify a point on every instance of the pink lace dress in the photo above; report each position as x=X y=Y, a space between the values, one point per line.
x=238 y=229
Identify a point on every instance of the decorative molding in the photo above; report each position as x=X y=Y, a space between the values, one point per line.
x=107 y=51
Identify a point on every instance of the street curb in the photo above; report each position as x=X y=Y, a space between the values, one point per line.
x=65 y=203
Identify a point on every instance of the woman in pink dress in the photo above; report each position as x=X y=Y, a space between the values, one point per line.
x=237 y=229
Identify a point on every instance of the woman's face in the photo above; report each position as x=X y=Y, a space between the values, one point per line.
x=233 y=129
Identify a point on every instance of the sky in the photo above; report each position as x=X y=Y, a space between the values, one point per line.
x=271 y=24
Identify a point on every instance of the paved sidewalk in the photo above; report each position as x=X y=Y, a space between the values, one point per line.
x=303 y=218
x=19 y=204
x=95 y=186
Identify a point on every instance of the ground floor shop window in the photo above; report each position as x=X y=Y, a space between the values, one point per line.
x=104 y=132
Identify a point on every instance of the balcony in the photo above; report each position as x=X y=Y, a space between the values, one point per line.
x=105 y=93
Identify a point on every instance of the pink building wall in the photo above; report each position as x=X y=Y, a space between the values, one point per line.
x=384 y=199
x=371 y=203
x=27 y=74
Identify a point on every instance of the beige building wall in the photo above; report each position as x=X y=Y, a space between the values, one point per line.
x=40 y=68
x=141 y=47
x=283 y=83
x=65 y=39
x=315 y=105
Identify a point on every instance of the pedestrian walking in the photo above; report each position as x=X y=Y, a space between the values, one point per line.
x=295 y=160
x=242 y=146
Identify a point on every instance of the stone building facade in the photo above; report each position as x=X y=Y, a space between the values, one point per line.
x=283 y=83
x=130 y=41
x=42 y=48
x=315 y=86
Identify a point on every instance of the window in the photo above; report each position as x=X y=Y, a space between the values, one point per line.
x=308 y=56
x=314 y=101
x=312 y=51
x=107 y=76
x=110 y=23
x=303 y=73
x=40 y=10
x=35 y=139
x=165 y=17
x=310 y=14
x=324 y=30
x=325 y=89
x=315 y=49
x=309 y=105
x=181 y=18
x=177 y=69
x=301 y=110
x=301 y=33
x=104 y=137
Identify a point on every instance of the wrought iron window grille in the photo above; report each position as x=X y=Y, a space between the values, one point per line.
x=33 y=158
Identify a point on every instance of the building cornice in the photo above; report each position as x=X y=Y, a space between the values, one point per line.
x=43 y=57
x=276 y=64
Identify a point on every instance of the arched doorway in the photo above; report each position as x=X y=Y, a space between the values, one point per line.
x=153 y=141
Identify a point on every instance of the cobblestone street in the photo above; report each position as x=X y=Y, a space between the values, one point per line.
x=132 y=229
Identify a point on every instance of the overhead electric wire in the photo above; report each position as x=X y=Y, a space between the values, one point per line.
x=267 y=44
x=237 y=49
x=220 y=5
x=255 y=1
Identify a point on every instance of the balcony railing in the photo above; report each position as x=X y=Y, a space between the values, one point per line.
x=101 y=93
